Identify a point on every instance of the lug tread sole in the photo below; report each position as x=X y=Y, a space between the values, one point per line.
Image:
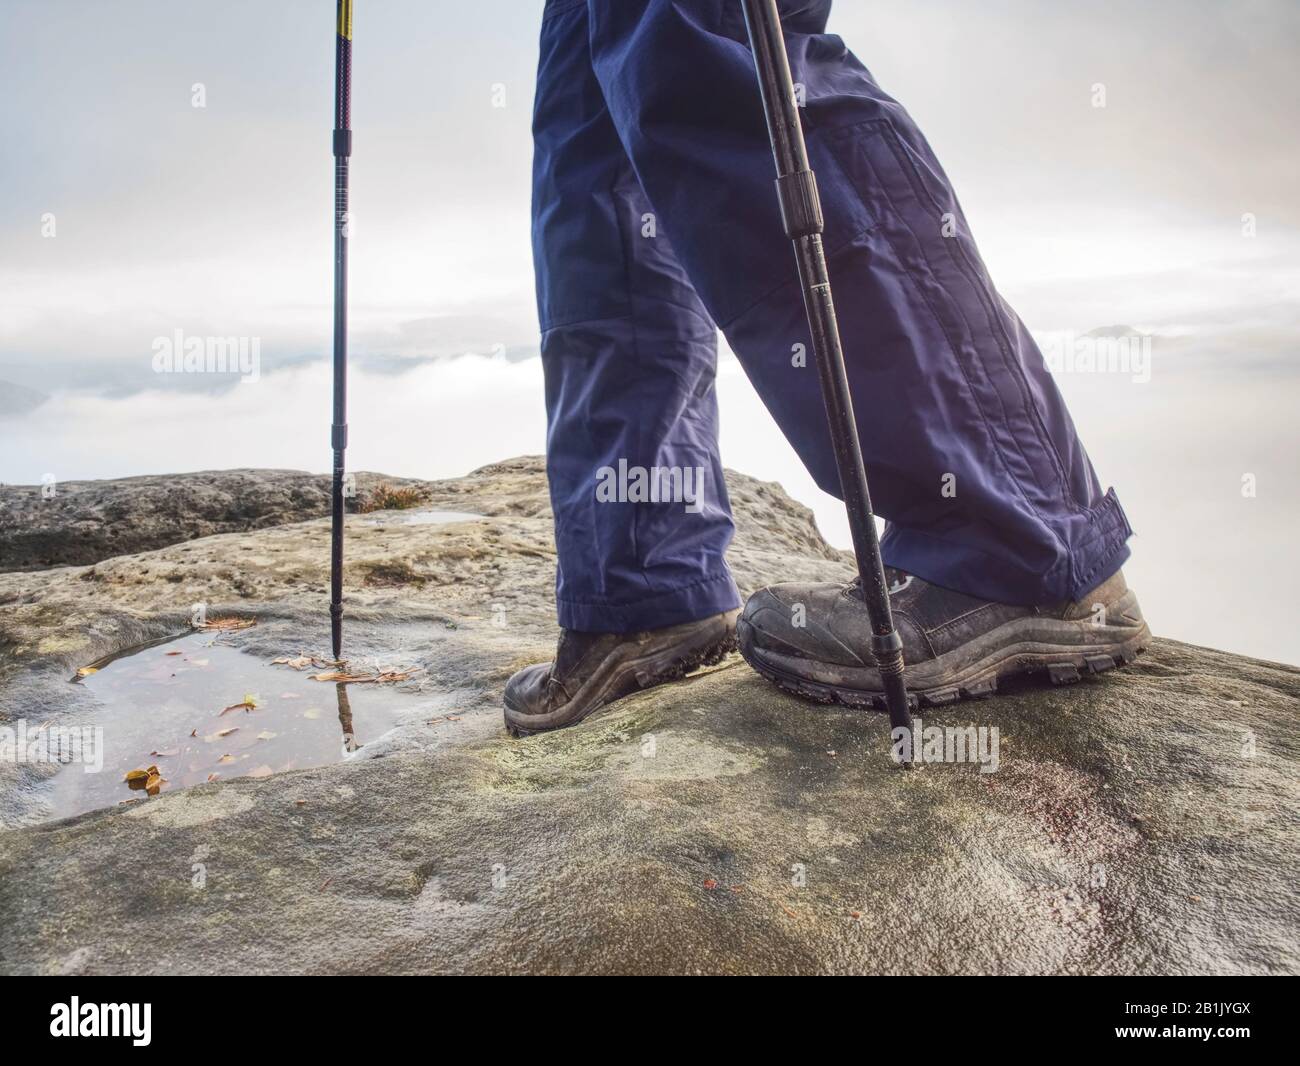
x=1057 y=668
x=648 y=677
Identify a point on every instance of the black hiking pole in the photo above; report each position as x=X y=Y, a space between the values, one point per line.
x=339 y=427
x=801 y=214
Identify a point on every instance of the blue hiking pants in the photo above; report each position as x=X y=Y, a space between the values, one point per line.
x=656 y=223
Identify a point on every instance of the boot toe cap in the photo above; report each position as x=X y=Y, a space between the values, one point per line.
x=805 y=621
x=526 y=690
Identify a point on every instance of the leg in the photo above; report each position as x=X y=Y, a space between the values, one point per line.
x=642 y=520
x=973 y=457
x=629 y=354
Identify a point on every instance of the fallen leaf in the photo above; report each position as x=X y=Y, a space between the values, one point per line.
x=227 y=624
x=213 y=776
x=194 y=732
x=789 y=911
x=86 y=671
x=710 y=884
x=173 y=653
x=387 y=677
x=219 y=734
x=154 y=784
x=227 y=758
x=137 y=778
x=300 y=662
x=166 y=754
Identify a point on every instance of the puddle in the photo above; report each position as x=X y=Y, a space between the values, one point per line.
x=421 y=518
x=155 y=698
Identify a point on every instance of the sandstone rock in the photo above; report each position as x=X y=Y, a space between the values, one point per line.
x=1142 y=821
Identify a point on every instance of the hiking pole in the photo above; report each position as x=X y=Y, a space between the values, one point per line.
x=801 y=214
x=339 y=427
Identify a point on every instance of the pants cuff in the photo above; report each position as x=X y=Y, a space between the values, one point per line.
x=674 y=607
x=1099 y=549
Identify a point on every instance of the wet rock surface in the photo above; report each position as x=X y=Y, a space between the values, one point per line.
x=1143 y=821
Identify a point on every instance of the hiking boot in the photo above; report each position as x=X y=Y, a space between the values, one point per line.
x=593 y=669
x=815 y=640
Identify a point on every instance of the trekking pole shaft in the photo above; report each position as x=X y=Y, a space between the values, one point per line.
x=802 y=218
x=339 y=427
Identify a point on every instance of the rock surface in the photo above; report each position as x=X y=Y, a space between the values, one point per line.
x=1144 y=821
x=74 y=523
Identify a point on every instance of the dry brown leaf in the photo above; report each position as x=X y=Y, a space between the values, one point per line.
x=387 y=677
x=165 y=754
x=137 y=778
x=245 y=705
x=710 y=884
x=300 y=662
x=209 y=738
x=228 y=624
x=213 y=776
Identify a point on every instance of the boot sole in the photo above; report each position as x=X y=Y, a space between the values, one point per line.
x=1057 y=651
x=626 y=676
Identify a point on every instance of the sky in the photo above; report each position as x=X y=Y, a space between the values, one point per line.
x=1170 y=210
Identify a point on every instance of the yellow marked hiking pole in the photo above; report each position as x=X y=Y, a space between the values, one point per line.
x=339 y=427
